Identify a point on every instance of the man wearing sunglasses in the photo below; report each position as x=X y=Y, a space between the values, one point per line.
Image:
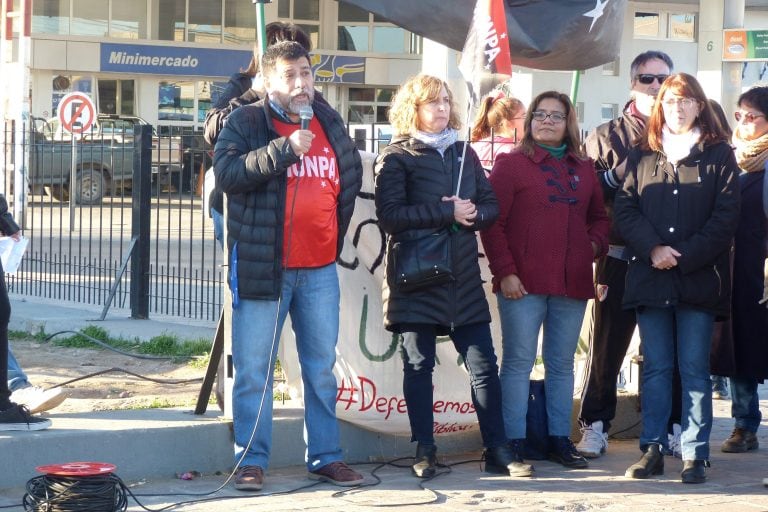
x=612 y=327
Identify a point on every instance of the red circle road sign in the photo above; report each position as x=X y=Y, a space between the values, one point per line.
x=76 y=112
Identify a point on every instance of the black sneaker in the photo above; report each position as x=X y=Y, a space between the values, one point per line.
x=17 y=417
x=561 y=450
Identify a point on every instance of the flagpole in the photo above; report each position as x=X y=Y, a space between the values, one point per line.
x=464 y=150
x=575 y=86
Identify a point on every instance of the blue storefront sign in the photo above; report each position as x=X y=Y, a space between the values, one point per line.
x=190 y=61
x=171 y=60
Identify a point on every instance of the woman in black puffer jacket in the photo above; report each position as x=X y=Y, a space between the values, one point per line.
x=416 y=183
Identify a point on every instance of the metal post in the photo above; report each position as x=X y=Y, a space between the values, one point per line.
x=261 y=30
x=73 y=182
x=140 y=219
x=733 y=17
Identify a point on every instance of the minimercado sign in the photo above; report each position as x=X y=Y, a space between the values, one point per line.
x=171 y=60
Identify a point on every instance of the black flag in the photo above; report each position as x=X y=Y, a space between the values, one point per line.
x=543 y=34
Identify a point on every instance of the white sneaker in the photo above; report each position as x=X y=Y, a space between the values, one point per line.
x=675 y=448
x=594 y=442
x=37 y=399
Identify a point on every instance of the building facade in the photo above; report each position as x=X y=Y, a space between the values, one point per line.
x=166 y=60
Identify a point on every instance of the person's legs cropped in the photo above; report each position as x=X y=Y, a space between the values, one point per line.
x=256 y=328
x=418 y=346
x=745 y=410
x=657 y=335
x=314 y=314
x=418 y=352
x=694 y=334
x=475 y=345
x=610 y=335
x=521 y=319
x=562 y=325
x=17 y=379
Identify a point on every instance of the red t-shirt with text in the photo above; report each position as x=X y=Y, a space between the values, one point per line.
x=310 y=230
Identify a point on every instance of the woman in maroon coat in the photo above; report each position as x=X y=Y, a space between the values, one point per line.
x=552 y=225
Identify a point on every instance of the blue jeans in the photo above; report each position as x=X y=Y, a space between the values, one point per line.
x=311 y=296
x=694 y=335
x=745 y=403
x=475 y=345
x=218 y=226
x=521 y=320
x=17 y=379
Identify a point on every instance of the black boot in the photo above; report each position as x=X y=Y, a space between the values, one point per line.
x=561 y=450
x=425 y=461
x=694 y=472
x=651 y=463
x=507 y=459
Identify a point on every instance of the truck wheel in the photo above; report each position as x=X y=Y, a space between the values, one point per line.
x=90 y=187
x=60 y=192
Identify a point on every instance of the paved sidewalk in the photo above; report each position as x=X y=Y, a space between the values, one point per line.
x=734 y=485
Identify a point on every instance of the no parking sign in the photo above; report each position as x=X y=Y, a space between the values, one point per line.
x=76 y=112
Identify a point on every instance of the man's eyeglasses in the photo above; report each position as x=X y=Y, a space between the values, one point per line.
x=556 y=117
x=747 y=116
x=685 y=102
x=647 y=79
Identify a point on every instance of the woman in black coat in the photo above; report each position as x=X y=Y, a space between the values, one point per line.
x=678 y=210
x=416 y=193
x=745 y=359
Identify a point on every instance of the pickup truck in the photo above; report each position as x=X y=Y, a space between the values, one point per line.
x=101 y=165
x=105 y=157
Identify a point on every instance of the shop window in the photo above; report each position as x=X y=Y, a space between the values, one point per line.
x=116 y=97
x=90 y=18
x=168 y=20
x=176 y=101
x=609 y=111
x=204 y=21
x=369 y=104
x=682 y=26
x=239 y=22
x=129 y=20
x=647 y=24
x=51 y=17
x=304 y=13
x=665 y=25
x=362 y=31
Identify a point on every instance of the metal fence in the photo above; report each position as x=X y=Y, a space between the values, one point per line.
x=85 y=240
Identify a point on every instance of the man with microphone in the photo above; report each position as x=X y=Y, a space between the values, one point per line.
x=290 y=174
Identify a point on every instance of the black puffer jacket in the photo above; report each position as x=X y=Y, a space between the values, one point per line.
x=250 y=162
x=695 y=211
x=411 y=179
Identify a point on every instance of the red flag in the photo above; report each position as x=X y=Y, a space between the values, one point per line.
x=485 y=60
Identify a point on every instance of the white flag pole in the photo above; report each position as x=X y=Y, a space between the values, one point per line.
x=464 y=150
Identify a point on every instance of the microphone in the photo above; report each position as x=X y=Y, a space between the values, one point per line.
x=305 y=114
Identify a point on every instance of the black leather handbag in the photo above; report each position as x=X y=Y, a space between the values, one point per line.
x=421 y=258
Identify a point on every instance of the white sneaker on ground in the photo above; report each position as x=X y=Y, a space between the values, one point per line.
x=675 y=448
x=594 y=442
x=37 y=399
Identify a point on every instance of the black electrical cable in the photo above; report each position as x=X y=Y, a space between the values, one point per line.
x=138 y=376
x=51 y=493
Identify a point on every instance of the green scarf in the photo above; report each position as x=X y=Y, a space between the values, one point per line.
x=557 y=152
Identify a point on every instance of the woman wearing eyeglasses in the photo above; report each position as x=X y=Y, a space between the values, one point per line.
x=677 y=211
x=745 y=358
x=498 y=127
x=552 y=225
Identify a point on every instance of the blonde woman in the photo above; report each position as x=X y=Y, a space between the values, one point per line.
x=416 y=179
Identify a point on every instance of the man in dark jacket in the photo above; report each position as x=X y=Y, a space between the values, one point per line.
x=613 y=327
x=290 y=192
